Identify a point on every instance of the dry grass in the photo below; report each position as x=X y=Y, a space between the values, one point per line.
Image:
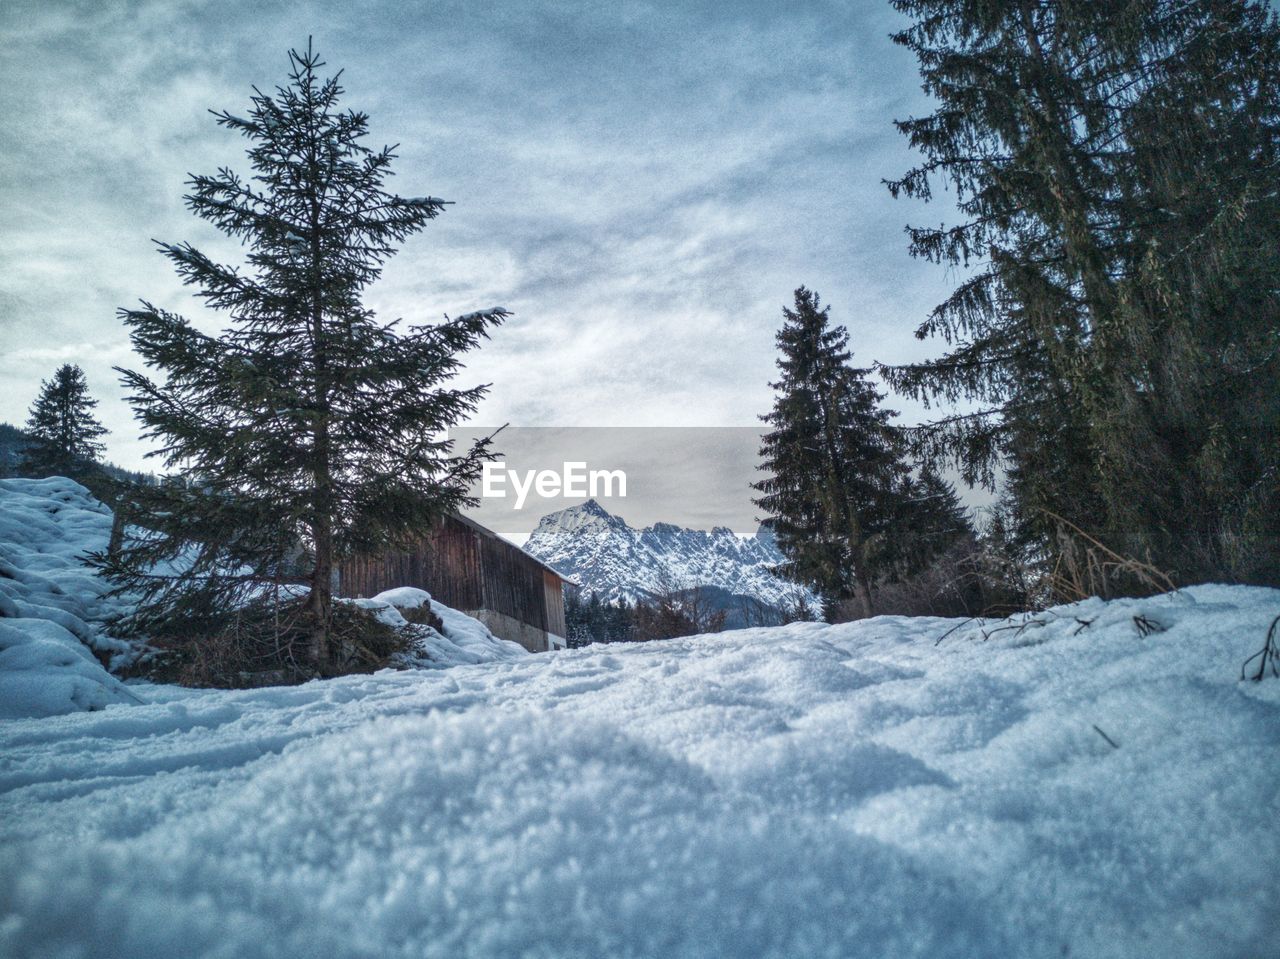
x=1086 y=567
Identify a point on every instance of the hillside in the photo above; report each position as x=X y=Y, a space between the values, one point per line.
x=54 y=610
x=604 y=555
x=52 y=607
x=14 y=440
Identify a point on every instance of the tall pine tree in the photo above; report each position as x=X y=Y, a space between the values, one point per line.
x=309 y=423
x=1116 y=166
x=931 y=519
x=64 y=433
x=831 y=461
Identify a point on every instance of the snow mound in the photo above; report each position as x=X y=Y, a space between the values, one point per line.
x=405 y=597
x=52 y=607
x=50 y=603
x=464 y=640
x=1101 y=790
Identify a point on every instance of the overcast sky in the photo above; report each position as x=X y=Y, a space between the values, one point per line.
x=642 y=184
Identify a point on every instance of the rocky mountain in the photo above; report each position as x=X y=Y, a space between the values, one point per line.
x=603 y=554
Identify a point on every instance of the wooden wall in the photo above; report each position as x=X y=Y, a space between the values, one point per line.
x=469 y=568
x=553 y=587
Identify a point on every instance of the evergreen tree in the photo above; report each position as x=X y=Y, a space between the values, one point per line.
x=799 y=611
x=831 y=461
x=62 y=427
x=593 y=620
x=576 y=627
x=308 y=423
x=620 y=623
x=931 y=519
x=1116 y=167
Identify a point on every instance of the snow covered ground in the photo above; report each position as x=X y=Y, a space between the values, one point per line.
x=52 y=608
x=50 y=603
x=1071 y=789
x=462 y=641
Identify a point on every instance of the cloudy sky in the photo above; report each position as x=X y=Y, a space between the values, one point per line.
x=642 y=184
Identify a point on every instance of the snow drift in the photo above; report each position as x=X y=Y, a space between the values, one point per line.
x=52 y=608
x=50 y=603
x=461 y=640
x=1100 y=784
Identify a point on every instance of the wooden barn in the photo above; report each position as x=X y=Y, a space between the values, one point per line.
x=472 y=569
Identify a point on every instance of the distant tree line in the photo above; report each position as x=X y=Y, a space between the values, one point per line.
x=672 y=609
x=62 y=437
x=589 y=619
x=662 y=615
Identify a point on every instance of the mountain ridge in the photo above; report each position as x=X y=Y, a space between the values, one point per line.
x=605 y=555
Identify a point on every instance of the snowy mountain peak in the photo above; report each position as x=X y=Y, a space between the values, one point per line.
x=578 y=518
x=591 y=507
x=605 y=555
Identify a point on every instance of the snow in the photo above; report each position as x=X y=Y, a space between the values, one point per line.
x=800 y=791
x=480 y=314
x=50 y=602
x=52 y=608
x=464 y=640
x=405 y=597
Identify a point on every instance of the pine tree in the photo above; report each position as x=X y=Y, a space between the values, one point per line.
x=1115 y=164
x=62 y=427
x=619 y=622
x=593 y=620
x=309 y=421
x=831 y=461
x=931 y=519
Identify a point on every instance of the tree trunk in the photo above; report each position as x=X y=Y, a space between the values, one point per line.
x=838 y=501
x=862 y=580
x=320 y=602
x=117 y=529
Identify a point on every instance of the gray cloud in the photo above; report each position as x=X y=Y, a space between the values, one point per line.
x=644 y=184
